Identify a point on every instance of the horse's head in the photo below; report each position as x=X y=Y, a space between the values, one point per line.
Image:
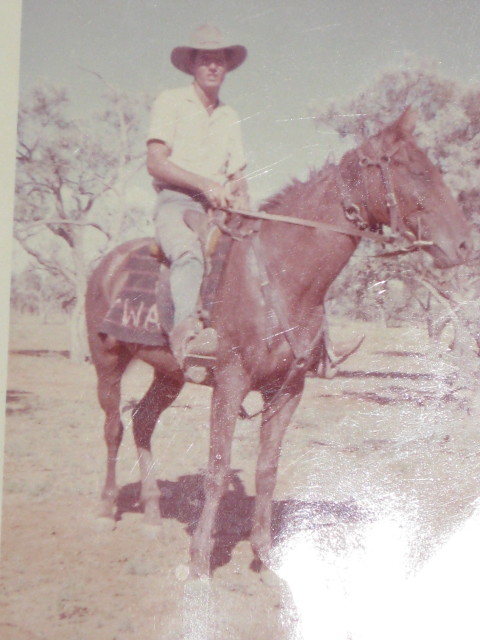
x=406 y=191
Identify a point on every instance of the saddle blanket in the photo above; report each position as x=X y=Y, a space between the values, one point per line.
x=135 y=315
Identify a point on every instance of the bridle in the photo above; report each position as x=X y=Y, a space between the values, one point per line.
x=391 y=202
x=352 y=211
x=396 y=224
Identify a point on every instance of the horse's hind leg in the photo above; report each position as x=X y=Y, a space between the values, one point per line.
x=271 y=437
x=110 y=368
x=160 y=395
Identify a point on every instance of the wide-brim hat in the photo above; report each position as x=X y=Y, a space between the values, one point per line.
x=207 y=38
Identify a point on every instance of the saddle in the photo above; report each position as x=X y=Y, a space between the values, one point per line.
x=135 y=315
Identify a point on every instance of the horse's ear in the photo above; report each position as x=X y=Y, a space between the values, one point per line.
x=406 y=123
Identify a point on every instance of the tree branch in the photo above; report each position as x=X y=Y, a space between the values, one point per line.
x=437 y=293
x=52 y=267
x=80 y=223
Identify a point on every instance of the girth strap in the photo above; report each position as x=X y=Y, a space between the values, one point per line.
x=273 y=301
x=304 y=355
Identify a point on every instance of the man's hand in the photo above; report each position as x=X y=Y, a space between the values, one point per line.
x=160 y=167
x=238 y=189
x=218 y=195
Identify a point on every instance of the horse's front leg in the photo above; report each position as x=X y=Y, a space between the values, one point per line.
x=271 y=436
x=226 y=399
x=160 y=395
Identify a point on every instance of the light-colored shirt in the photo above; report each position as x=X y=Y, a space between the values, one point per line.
x=208 y=145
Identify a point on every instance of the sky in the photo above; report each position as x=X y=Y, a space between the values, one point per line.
x=301 y=53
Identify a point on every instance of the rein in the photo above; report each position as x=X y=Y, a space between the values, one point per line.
x=303 y=222
x=351 y=211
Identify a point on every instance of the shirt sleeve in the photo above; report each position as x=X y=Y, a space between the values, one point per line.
x=236 y=156
x=163 y=119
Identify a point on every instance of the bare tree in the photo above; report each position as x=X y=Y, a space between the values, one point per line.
x=73 y=175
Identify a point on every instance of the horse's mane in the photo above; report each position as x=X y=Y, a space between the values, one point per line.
x=303 y=196
x=299 y=195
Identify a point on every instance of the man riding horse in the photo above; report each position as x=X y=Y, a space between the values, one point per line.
x=195 y=156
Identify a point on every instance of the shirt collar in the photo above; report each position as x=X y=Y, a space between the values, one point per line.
x=193 y=97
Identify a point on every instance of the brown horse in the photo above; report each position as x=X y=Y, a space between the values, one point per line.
x=269 y=311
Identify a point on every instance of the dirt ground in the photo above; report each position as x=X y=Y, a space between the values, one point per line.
x=391 y=439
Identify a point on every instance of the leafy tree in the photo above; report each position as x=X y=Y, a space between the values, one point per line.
x=73 y=181
x=448 y=119
x=36 y=291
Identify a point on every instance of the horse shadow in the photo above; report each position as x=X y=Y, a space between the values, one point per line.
x=183 y=501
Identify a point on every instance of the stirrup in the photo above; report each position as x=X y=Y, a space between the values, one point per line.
x=200 y=356
x=180 y=335
x=189 y=342
x=203 y=344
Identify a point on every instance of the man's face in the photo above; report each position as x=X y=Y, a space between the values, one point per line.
x=209 y=69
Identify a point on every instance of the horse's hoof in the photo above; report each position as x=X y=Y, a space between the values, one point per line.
x=103 y=524
x=270 y=579
x=262 y=559
x=151 y=513
x=257 y=565
x=152 y=519
x=199 y=566
x=200 y=571
x=151 y=531
x=261 y=549
x=182 y=572
x=108 y=503
x=106 y=511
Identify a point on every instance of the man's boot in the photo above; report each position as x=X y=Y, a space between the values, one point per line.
x=194 y=348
